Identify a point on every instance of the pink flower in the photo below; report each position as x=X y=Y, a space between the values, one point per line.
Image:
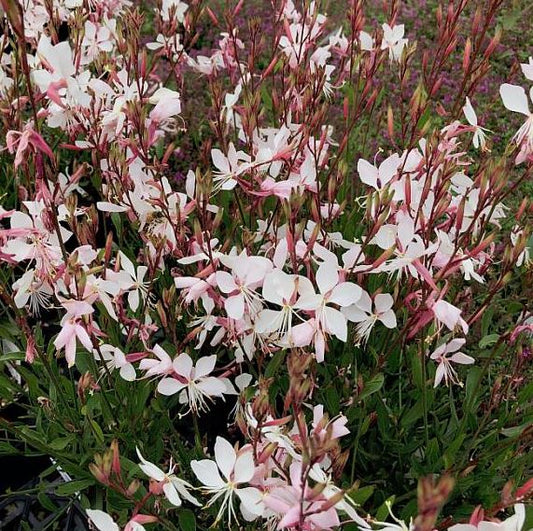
x=296 y=503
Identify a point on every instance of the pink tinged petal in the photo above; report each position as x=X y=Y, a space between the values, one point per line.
x=267 y=321
x=67 y=332
x=220 y=161
x=493 y=526
x=84 y=337
x=105 y=206
x=439 y=375
x=225 y=282
x=327 y=277
x=388 y=169
x=101 y=520
x=211 y=386
x=225 y=456
x=514 y=98
x=169 y=386
x=320 y=346
x=345 y=293
x=388 y=319
x=161 y=354
x=291 y=518
x=336 y=323
x=234 y=306
x=339 y=428
x=309 y=301
x=127 y=264
x=325 y=519
x=278 y=285
x=133 y=300
x=172 y=494
x=205 y=366
x=459 y=357
x=70 y=351
x=244 y=467
x=183 y=365
x=455 y=344
x=302 y=334
x=447 y=314
x=207 y=473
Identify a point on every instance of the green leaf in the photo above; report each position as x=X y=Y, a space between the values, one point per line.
x=473 y=380
x=99 y=434
x=61 y=443
x=274 y=364
x=10 y=356
x=187 y=520
x=46 y=502
x=73 y=487
x=382 y=513
x=7 y=449
x=413 y=414
x=515 y=431
x=360 y=496
x=489 y=340
x=372 y=386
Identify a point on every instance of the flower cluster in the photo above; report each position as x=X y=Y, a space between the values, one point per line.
x=246 y=271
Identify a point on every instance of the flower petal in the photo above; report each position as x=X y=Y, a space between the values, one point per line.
x=207 y=473
x=514 y=98
x=169 y=386
x=172 y=494
x=101 y=520
x=225 y=456
x=244 y=467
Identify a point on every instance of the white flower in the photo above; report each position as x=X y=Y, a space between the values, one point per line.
x=480 y=138
x=248 y=273
x=445 y=369
x=282 y=290
x=114 y=358
x=193 y=382
x=172 y=486
x=361 y=312
x=393 y=41
x=513 y=523
x=236 y=468
x=102 y=520
x=331 y=291
x=378 y=178
x=515 y=99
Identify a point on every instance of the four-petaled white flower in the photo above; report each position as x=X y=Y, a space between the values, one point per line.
x=248 y=273
x=237 y=468
x=194 y=382
x=361 y=312
x=480 y=138
x=447 y=354
x=515 y=99
x=393 y=41
x=172 y=486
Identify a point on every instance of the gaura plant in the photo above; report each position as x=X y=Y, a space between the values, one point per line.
x=259 y=271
